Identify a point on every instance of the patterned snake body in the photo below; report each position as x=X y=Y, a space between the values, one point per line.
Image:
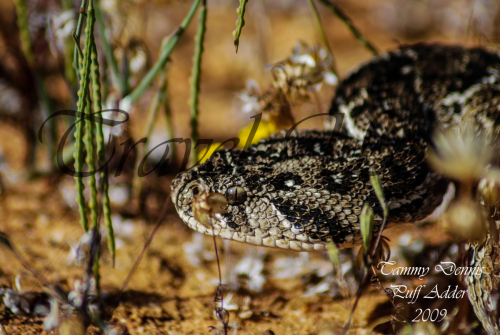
x=302 y=191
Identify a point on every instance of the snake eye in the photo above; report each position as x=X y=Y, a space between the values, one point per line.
x=236 y=195
x=196 y=190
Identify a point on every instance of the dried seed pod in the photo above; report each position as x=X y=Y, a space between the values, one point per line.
x=366 y=225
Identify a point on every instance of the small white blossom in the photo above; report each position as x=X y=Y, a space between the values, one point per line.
x=121 y=227
x=63 y=25
x=305 y=70
x=119 y=194
x=251 y=97
x=330 y=78
x=15 y=301
x=304 y=59
x=251 y=266
x=195 y=251
x=79 y=252
x=52 y=321
x=227 y=304
x=463 y=152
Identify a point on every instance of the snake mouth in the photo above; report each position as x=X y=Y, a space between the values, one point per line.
x=184 y=185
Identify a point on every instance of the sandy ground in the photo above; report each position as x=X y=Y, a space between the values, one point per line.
x=167 y=294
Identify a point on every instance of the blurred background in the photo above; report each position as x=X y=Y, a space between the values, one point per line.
x=172 y=291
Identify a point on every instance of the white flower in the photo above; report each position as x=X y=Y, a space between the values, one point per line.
x=330 y=78
x=227 y=304
x=305 y=59
x=79 y=252
x=305 y=70
x=121 y=227
x=15 y=301
x=195 y=251
x=463 y=153
x=119 y=194
x=138 y=61
x=251 y=97
x=63 y=25
x=251 y=266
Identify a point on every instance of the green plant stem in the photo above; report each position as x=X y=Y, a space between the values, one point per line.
x=47 y=110
x=195 y=80
x=377 y=189
x=24 y=35
x=90 y=144
x=348 y=22
x=155 y=107
x=108 y=52
x=152 y=116
x=322 y=34
x=80 y=187
x=90 y=148
x=81 y=105
x=165 y=100
x=240 y=22
x=46 y=106
x=77 y=33
x=22 y=24
x=164 y=54
x=101 y=154
x=95 y=269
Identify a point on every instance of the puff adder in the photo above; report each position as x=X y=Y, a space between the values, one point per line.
x=305 y=190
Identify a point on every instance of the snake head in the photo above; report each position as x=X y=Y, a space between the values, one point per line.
x=185 y=186
x=194 y=191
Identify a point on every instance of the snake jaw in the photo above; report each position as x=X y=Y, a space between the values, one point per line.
x=197 y=202
x=183 y=186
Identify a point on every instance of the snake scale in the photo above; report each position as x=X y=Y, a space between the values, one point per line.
x=303 y=190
